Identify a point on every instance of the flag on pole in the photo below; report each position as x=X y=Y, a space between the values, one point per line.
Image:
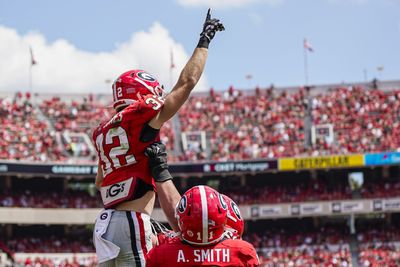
x=308 y=46
x=172 y=66
x=33 y=61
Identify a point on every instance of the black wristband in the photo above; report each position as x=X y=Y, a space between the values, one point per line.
x=148 y=133
x=203 y=42
x=163 y=176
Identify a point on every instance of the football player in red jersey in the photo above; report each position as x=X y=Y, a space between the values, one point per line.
x=202 y=215
x=208 y=235
x=122 y=231
x=235 y=222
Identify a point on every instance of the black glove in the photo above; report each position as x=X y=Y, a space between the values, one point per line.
x=157 y=155
x=210 y=27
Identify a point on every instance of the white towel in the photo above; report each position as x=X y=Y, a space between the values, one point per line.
x=105 y=250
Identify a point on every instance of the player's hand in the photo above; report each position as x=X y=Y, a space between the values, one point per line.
x=157 y=155
x=210 y=27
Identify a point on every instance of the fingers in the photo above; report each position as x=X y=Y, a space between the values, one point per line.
x=217 y=25
x=220 y=27
x=154 y=149
x=208 y=17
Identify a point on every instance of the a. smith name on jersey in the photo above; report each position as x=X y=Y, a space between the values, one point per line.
x=205 y=255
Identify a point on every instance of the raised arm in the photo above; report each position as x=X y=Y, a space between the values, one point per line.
x=190 y=74
x=168 y=195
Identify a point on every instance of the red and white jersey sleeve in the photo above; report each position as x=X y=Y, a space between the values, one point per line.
x=226 y=253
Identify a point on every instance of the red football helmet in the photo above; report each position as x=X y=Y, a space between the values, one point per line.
x=201 y=215
x=235 y=220
x=131 y=85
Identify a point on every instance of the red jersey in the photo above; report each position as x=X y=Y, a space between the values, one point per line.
x=121 y=153
x=235 y=253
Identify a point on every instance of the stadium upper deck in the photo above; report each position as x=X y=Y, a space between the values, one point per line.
x=230 y=125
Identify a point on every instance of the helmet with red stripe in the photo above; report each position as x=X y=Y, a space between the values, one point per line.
x=202 y=215
x=235 y=220
x=133 y=84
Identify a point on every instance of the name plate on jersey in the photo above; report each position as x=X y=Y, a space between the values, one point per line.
x=115 y=193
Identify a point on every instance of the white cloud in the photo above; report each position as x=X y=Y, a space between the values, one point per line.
x=348 y=1
x=63 y=68
x=257 y=19
x=225 y=3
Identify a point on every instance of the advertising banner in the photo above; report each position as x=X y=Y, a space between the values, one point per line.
x=324 y=162
x=241 y=166
x=352 y=206
x=310 y=208
x=271 y=211
x=178 y=168
x=391 y=204
x=382 y=158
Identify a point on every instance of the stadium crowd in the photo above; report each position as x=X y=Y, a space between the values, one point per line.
x=364 y=120
x=74 y=116
x=379 y=246
x=68 y=199
x=257 y=126
x=248 y=194
x=283 y=246
x=24 y=136
x=283 y=193
x=262 y=124
x=90 y=261
x=50 y=244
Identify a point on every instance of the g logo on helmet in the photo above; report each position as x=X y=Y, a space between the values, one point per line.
x=103 y=216
x=145 y=76
x=222 y=201
x=236 y=210
x=182 y=204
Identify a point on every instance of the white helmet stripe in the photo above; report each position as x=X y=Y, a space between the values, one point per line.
x=114 y=87
x=231 y=217
x=204 y=213
x=145 y=85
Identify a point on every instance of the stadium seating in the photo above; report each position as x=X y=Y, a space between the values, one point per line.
x=257 y=126
x=264 y=124
x=364 y=120
x=316 y=191
x=69 y=199
x=52 y=244
x=53 y=262
x=24 y=136
x=379 y=247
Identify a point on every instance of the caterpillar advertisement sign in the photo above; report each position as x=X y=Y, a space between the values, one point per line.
x=321 y=162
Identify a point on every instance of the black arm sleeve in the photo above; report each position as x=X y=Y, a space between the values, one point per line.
x=148 y=133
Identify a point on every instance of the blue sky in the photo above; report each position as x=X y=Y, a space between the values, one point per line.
x=80 y=44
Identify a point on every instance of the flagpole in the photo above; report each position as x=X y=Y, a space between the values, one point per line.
x=170 y=79
x=171 y=67
x=305 y=64
x=30 y=78
x=32 y=63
